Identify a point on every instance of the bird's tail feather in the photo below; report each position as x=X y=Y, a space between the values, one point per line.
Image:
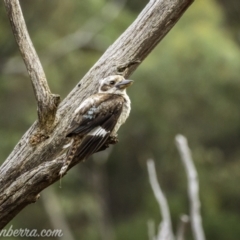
x=70 y=154
x=90 y=145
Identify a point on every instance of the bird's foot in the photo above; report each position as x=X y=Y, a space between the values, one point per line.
x=113 y=140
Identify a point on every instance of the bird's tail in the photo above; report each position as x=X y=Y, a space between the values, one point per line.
x=72 y=148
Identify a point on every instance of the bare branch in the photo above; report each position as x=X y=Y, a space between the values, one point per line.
x=184 y=219
x=28 y=170
x=165 y=228
x=46 y=101
x=193 y=187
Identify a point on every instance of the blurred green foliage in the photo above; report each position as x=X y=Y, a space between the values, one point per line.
x=189 y=84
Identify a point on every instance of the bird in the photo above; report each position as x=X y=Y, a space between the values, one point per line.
x=97 y=120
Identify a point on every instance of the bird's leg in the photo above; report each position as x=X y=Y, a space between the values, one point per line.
x=72 y=148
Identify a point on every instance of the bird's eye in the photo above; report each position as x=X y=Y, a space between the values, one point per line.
x=112 y=82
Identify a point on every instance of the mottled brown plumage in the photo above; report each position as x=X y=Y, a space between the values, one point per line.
x=97 y=119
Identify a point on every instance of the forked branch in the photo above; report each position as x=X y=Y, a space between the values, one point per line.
x=193 y=187
x=46 y=101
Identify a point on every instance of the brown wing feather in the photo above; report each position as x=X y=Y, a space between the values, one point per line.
x=92 y=143
x=94 y=122
x=103 y=110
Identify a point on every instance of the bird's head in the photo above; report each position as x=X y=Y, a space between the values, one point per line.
x=114 y=84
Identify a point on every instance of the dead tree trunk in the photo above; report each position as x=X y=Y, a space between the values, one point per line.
x=34 y=163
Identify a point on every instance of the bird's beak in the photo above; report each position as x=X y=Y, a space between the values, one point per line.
x=124 y=84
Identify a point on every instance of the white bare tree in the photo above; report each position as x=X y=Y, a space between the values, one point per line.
x=165 y=231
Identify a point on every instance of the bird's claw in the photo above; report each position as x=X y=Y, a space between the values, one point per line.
x=113 y=140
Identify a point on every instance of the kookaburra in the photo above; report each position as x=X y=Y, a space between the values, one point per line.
x=97 y=119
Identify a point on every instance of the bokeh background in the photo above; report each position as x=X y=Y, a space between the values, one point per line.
x=189 y=84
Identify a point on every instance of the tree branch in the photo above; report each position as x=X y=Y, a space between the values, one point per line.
x=193 y=187
x=46 y=101
x=165 y=229
x=184 y=220
x=29 y=169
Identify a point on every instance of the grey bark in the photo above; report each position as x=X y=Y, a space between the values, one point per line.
x=32 y=167
x=165 y=231
x=46 y=101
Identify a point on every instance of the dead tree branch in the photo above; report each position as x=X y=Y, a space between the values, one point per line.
x=29 y=169
x=165 y=229
x=46 y=101
x=193 y=187
x=184 y=220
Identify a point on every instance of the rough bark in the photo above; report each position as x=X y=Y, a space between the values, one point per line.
x=46 y=101
x=31 y=168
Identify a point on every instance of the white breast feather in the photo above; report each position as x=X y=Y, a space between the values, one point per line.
x=124 y=114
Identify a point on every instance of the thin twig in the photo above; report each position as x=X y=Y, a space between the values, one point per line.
x=184 y=219
x=165 y=229
x=193 y=187
x=47 y=102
